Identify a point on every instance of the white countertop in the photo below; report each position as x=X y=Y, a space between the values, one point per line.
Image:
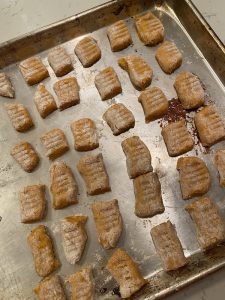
x=20 y=16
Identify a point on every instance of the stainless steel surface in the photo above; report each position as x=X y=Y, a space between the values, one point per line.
x=17 y=274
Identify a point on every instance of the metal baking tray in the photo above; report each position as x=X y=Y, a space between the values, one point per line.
x=203 y=54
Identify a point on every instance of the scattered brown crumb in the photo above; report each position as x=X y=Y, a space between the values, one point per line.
x=175 y=113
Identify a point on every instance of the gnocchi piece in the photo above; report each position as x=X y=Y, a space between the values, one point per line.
x=82 y=284
x=63 y=187
x=44 y=101
x=88 y=51
x=148 y=197
x=139 y=71
x=85 y=134
x=55 y=143
x=150 y=29
x=126 y=273
x=60 y=61
x=177 y=138
x=154 y=103
x=25 y=155
x=209 y=222
x=32 y=203
x=108 y=222
x=119 y=36
x=138 y=157
x=93 y=171
x=74 y=237
x=107 y=83
x=67 y=91
x=168 y=246
x=6 y=87
x=194 y=177
x=42 y=250
x=169 y=57
x=189 y=90
x=19 y=116
x=119 y=118
x=33 y=70
x=209 y=125
x=50 y=288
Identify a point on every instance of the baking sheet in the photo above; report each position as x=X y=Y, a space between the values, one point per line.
x=17 y=274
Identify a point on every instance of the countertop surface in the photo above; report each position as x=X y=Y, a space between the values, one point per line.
x=20 y=16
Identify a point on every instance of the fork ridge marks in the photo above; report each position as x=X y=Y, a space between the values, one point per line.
x=208 y=221
x=126 y=273
x=108 y=222
x=33 y=70
x=82 y=284
x=177 y=138
x=169 y=57
x=209 y=125
x=168 y=246
x=50 y=289
x=107 y=83
x=74 y=237
x=119 y=36
x=219 y=161
x=119 y=118
x=6 y=87
x=93 y=171
x=67 y=91
x=32 y=203
x=55 y=143
x=148 y=198
x=138 y=157
x=88 y=51
x=64 y=187
x=44 y=101
x=154 y=103
x=85 y=134
x=25 y=156
x=189 y=90
x=19 y=116
x=194 y=177
x=139 y=71
x=60 y=61
x=150 y=29
x=42 y=250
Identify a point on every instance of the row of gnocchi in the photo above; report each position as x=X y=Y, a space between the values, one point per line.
x=82 y=283
x=194 y=175
x=203 y=211
x=106 y=81
x=149 y=28
x=155 y=105
x=108 y=85
x=176 y=136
